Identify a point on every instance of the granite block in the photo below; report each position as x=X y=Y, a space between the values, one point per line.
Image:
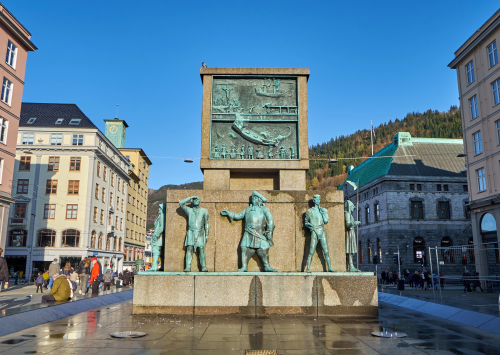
x=492 y=325
x=473 y=319
x=160 y=291
x=439 y=310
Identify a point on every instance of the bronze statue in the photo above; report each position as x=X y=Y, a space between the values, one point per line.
x=350 y=235
x=197 y=234
x=157 y=238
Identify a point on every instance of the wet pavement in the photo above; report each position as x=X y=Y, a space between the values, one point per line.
x=89 y=333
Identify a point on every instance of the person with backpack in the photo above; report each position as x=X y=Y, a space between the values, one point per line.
x=83 y=271
x=95 y=276
x=39 y=282
x=4 y=272
x=108 y=279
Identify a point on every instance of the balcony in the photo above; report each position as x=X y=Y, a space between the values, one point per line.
x=111 y=229
x=19 y=222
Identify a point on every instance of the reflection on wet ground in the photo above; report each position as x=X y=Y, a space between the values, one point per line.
x=89 y=333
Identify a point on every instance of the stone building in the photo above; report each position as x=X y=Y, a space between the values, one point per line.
x=70 y=186
x=15 y=43
x=412 y=194
x=478 y=76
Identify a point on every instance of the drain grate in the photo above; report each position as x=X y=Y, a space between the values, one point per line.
x=261 y=352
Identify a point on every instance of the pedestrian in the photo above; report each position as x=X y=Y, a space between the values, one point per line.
x=126 y=279
x=435 y=281
x=441 y=280
x=108 y=279
x=39 y=282
x=54 y=268
x=4 y=272
x=476 y=283
x=60 y=290
x=427 y=280
x=410 y=280
x=73 y=278
x=417 y=279
x=95 y=276
x=83 y=272
x=67 y=269
x=46 y=279
x=466 y=281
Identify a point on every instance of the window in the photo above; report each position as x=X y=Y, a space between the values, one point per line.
x=75 y=164
x=4 y=124
x=105 y=173
x=445 y=187
x=443 y=209
x=22 y=186
x=117 y=203
x=113 y=179
x=59 y=120
x=77 y=139
x=75 y=121
x=31 y=120
x=481 y=180
x=367 y=214
x=95 y=214
x=28 y=138
x=7 y=91
x=470 y=72
x=496 y=92
x=412 y=187
x=108 y=242
x=18 y=237
x=49 y=211
x=70 y=238
x=122 y=206
x=478 y=145
x=379 y=250
x=111 y=199
x=419 y=187
x=133 y=218
x=19 y=212
x=93 y=239
x=492 y=54
x=73 y=187
x=119 y=244
x=103 y=194
x=11 y=57
x=438 y=187
x=417 y=210
x=473 y=107
x=418 y=250
x=465 y=188
x=53 y=164
x=98 y=169
x=121 y=224
x=102 y=217
x=96 y=191
x=51 y=187
x=71 y=211
x=55 y=139
x=99 y=246
x=498 y=131
x=116 y=223
x=46 y=238
x=377 y=212
x=466 y=212
x=128 y=216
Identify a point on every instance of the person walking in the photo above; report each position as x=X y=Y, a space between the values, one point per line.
x=60 y=291
x=83 y=272
x=39 y=282
x=410 y=280
x=54 y=268
x=126 y=278
x=73 y=278
x=108 y=279
x=67 y=269
x=4 y=272
x=95 y=276
x=46 y=279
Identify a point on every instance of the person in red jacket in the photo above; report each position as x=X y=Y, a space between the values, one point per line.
x=95 y=276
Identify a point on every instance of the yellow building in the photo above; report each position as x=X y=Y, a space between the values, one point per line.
x=137 y=205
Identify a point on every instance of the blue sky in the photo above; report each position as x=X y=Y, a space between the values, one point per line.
x=369 y=61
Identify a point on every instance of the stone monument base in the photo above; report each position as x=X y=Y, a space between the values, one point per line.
x=256 y=293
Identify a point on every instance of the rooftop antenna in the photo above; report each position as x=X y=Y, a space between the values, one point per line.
x=116 y=116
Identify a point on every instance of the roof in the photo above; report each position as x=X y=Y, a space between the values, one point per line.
x=421 y=157
x=47 y=114
x=140 y=151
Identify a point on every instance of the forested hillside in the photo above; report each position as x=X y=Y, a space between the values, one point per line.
x=430 y=124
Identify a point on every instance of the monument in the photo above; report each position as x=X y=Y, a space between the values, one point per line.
x=254 y=157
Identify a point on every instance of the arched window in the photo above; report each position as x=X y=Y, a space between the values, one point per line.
x=447 y=253
x=488 y=224
x=46 y=238
x=126 y=254
x=472 y=256
x=370 y=254
x=135 y=254
x=17 y=237
x=108 y=242
x=114 y=244
x=4 y=125
x=70 y=238
x=99 y=241
x=419 y=250
x=119 y=244
x=93 y=239
x=360 y=251
x=379 y=250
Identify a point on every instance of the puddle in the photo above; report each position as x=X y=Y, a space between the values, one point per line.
x=403 y=345
x=343 y=344
x=66 y=336
x=29 y=336
x=34 y=352
x=13 y=341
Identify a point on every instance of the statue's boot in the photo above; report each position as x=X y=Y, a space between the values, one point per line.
x=244 y=260
x=264 y=255
x=351 y=264
x=189 y=259
x=309 y=260
x=203 y=261
x=328 y=262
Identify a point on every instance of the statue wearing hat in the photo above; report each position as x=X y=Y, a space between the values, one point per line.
x=197 y=234
x=316 y=218
x=256 y=238
x=350 y=235
x=157 y=238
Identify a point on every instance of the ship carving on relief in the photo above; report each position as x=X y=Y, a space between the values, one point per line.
x=255 y=137
x=270 y=89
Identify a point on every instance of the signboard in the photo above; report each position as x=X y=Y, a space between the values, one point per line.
x=419 y=254
x=95 y=253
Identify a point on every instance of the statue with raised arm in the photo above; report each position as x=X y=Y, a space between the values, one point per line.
x=350 y=234
x=316 y=218
x=157 y=238
x=197 y=234
x=256 y=238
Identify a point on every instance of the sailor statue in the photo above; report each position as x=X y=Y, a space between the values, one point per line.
x=350 y=234
x=256 y=238
x=157 y=238
x=197 y=234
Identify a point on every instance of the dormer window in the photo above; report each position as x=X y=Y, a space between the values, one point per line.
x=59 y=120
x=75 y=121
x=31 y=120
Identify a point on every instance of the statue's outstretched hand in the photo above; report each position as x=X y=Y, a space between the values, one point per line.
x=356 y=223
x=224 y=213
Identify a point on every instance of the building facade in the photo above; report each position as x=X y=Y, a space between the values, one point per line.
x=15 y=43
x=70 y=186
x=137 y=205
x=412 y=195
x=478 y=76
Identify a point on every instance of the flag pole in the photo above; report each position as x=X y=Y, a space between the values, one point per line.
x=357 y=226
x=371 y=135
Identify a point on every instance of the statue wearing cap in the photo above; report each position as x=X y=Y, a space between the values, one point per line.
x=256 y=238
x=316 y=218
x=197 y=234
x=350 y=235
x=157 y=238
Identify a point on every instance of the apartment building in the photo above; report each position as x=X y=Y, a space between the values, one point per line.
x=478 y=75
x=15 y=43
x=70 y=186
